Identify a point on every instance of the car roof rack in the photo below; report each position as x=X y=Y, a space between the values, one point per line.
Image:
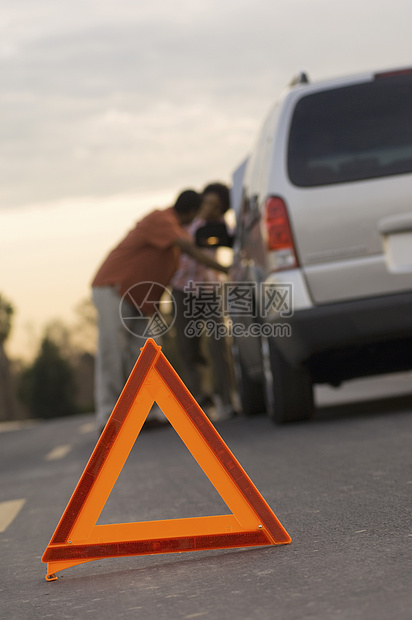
x=301 y=78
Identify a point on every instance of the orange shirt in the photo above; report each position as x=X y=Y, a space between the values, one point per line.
x=146 y=254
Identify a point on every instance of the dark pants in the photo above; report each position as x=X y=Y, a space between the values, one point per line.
x=190 y=350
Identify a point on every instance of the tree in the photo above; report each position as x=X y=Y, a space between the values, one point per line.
x=6 y=315
x=48 y=386
x=85 y=328
x=60 y=381
x=9 y=407
x=77 y=343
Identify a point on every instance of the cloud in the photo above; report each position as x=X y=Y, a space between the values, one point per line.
x=99 y=97
x=110 y=107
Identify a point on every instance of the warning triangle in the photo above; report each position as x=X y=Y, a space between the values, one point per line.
x=78 y=539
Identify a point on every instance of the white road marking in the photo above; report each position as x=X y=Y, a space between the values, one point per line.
x=59 y=452
x=6 y=427
x=9 y=511
x=89 y=427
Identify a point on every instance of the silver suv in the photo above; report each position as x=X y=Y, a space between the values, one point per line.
x=324 y=239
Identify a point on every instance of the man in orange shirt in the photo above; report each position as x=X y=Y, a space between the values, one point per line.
x=127 y=290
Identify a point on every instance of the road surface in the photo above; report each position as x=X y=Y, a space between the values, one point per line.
x=340 y=484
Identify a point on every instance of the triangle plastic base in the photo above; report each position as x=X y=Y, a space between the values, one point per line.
x=78 y=539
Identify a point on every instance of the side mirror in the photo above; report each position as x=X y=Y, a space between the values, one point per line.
x=213 y=235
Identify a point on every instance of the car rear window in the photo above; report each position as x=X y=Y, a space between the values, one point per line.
x=356 y=132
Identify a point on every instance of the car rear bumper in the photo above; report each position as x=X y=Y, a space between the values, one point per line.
x=338 y=326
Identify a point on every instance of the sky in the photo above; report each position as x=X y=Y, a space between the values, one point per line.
x=109 y=108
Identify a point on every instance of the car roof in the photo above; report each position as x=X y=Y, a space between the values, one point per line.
x=302 y=81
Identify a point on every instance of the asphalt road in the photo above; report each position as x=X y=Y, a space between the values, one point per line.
x=340 y=484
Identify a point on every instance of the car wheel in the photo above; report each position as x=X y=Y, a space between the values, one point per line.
x=288 y=391
x=250 y=390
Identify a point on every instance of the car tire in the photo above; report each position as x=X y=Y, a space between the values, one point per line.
x=288 y=391
x=250 y=390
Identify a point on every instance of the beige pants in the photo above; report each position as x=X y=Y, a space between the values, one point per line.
x=117 y=351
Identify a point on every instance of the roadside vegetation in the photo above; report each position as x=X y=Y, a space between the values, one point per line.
x=58 y=381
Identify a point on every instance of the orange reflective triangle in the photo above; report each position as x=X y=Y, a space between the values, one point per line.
x=78 y=539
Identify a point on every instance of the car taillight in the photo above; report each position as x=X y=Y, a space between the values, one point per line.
x=279 y=234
